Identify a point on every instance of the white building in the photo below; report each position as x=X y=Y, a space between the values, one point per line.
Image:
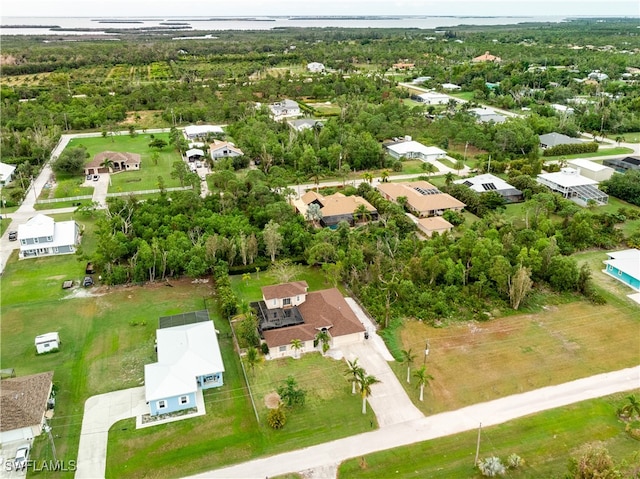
x=485 y=115
x=47 y=342
x=201 y=131
x=224 y=149
x=564 y=109
x=414 y=149
x=591 y=170
x=451 y=87
x=42 y=236
x=285 y=109
x=6 y=173
x=434 y=98
x=315 y=67
x=573 y=186
x=488 y=182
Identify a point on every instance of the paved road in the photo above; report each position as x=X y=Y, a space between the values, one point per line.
x=324 y=456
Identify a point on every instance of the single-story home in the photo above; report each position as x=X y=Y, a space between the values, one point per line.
x=335 y=208
x=24 y=402
x=485 y=115
x=592 y=170
x=42 y=236
x=194 y=154
x=487 y=57
x=224 y=149
x=288 y=311
x=422 y=198
x=189 y=360
x=451 y=87
x=6 y=173
x=573 y=186
x=201 y=131
x=433 y=98
x=488 y=182
x=624 y=164
x=304 y=124
x=315 y=67
x=120 y=161
x=625 y=267
x=415 y=149
x=285 y=109
x=403 y=66
x=549 y=140
x=47 y=342
x=564 y=109
x=434 y=224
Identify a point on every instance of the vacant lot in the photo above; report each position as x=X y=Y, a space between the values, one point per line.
x=545 y=441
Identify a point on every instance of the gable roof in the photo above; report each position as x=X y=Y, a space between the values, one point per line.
x=421 y=196
x=493 y=183
x=321 y=309
x=435 y=223
x=38 y=226
x=585 y=164
x=197 y=130
x=404 y=147
x=23 y=400
x=194 y=152
x=627 y=261
x=487 y=57
x=6 y=170
x=339 y=204
x=115 y=156
x=184 y=353
x=219 y=145
x=284 y=290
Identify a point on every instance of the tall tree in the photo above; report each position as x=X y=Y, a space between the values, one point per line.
x=296 y=345
x=519 y=286
x=272 y=239
x=365 y=381
x=407 y=358
x=353 y=372
x=423 y=379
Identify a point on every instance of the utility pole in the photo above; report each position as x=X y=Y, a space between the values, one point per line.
x=47 y=428
x=426 y=353
x=478 y=445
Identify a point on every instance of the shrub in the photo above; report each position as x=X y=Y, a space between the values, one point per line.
x=514 y=461
x=264 y=347
x=276 y=418
x=572 y=149
x=492 y=467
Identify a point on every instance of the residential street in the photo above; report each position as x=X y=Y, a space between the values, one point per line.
x=324 y=457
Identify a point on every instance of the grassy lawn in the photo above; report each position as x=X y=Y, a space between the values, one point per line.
x=545 y=441
x=619 y=150
x=631 y=137
x=325 y=108
x=67 y=186
x=413 y=167
x=465 y=95
x=147 y=177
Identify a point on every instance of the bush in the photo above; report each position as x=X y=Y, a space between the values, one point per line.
x=276 y=418
x=491 y=467
x=514 y=461
x=264 y=347
x=573 y=149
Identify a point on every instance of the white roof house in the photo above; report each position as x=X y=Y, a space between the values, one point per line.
x=489 y=182
x=486 y=115
x=567 y=110
x=414 y=149
x=184 y=353
x=451 y=86
x=572 y=185
x=434 y=98
x=200 y=131
x=6 y=173
x=47 y=342
x=194 y=152
x=285 y=109
x=42 y=236
x=625 y=267
x=315 y=67
x=592 y=170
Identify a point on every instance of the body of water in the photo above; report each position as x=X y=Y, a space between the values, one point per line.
x=95 y=25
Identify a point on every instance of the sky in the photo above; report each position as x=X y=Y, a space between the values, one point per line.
x=120 y=8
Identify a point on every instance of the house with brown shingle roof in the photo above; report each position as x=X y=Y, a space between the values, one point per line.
x=423 y=199
x=336 y=208
x=289 y=312
x=23 y=403
x=121 y=161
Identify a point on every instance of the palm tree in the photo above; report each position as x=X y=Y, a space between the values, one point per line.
x=631 y=408
x=324 y=338
x=107 y=163
x=365 y=382
x=252 y=358
x=368 y=177
x=296 y=345
x=353 y=371
x=459 y=165
x=429 y=168
x=448 y=178
x=361 y=213
x=407 y=358
x=423 y=378
x=384 y=175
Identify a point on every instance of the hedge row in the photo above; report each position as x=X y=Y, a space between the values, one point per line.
x=571 y=149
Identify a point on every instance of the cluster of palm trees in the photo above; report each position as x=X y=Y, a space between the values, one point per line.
x=360 y=379
x=421 y=374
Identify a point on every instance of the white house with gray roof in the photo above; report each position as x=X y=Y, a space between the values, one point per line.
x=549 y=140
x=42 y=236
x=285 y=109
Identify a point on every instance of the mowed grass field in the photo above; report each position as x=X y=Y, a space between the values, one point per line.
x=546 y=441
x=147 y=177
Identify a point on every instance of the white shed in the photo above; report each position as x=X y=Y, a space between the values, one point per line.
x=47 y=342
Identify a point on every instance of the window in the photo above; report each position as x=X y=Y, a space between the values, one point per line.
x=162 y=404
x=275 y=302
x=46 y=345
x=286 y=301
x=49 y=238
x=184 y=400
x=283 y=348
x=35 y=240
x=619 y=272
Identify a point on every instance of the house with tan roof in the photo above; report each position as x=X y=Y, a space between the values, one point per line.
x=288 y=311
x=120 y=161
x=487 y=57
x=336 y=208
x=24 y=402
x=224 y=149
x=434 y=224
x=422 y=198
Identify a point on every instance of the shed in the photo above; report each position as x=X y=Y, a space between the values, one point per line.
x=47 y=342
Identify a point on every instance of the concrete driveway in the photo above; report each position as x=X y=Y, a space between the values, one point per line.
x=100 y=413
x=324 y=457
x=7 y=455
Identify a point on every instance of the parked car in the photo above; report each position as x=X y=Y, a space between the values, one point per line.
x=89 y=177
x=13 y=235
x=88 y=281
x=96 y=177
x=22 y=456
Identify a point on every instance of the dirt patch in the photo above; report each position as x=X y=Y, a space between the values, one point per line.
x=58 y=277
x=84 y=293
x=272 y=400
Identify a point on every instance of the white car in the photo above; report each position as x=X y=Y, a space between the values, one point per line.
x=22 y=456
